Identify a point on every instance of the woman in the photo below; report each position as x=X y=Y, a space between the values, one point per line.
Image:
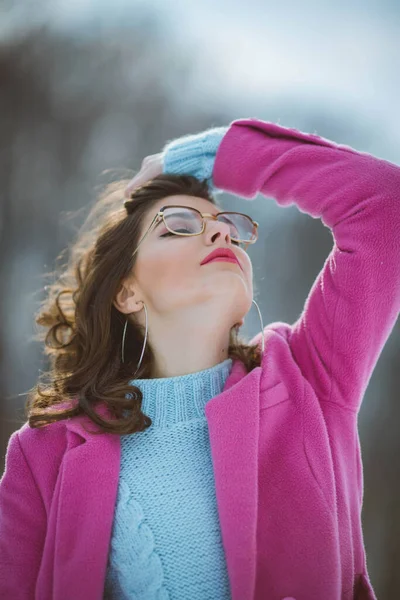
x=223 y=469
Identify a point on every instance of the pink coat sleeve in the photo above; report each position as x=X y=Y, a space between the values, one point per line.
x=355 y=300
x=22 y=526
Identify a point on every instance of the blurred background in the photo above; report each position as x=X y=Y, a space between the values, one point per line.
x=90 y=87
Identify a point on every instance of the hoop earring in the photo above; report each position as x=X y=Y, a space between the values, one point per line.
x=147 y=329
x=262 y=326
x=145 y=339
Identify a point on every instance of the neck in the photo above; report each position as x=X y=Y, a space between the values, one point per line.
x=182 y=350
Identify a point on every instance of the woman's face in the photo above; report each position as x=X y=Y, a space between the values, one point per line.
x=169 y=278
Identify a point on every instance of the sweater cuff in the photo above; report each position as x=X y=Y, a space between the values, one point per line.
x=194 y=155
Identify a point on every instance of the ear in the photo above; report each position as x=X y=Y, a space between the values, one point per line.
x=126 y=299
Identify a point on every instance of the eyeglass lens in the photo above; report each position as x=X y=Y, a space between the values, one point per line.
x=189 y=221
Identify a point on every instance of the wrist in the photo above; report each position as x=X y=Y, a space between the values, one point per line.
x=194 y=154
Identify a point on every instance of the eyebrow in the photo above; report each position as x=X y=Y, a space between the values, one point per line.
x=161 y=221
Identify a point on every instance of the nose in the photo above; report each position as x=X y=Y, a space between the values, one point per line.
x=216 y=229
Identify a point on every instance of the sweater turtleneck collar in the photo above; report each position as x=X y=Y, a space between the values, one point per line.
x=169 y=400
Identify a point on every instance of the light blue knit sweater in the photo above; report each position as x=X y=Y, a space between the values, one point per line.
x=166 y=540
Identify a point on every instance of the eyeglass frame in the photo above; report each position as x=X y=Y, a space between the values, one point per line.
x=160 y=217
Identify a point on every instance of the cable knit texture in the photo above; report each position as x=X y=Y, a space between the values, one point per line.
x=166 y=540
x=194 y=155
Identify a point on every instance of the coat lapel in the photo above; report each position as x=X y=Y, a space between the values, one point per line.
x=233 y=420
x=88 y=490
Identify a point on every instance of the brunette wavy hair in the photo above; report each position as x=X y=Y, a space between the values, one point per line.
x=83 y=329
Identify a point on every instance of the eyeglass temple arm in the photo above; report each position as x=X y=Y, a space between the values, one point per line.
x=151 y=227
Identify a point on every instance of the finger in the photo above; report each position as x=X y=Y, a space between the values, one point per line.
x=136 y=182
x=129 y=188
x=151 y=167
x=133 y=185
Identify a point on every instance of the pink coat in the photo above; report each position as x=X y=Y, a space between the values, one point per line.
x=284 y=440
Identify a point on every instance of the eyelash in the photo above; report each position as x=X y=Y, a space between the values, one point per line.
x=169 y=233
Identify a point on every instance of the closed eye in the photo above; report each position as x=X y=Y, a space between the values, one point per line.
x=169 y=233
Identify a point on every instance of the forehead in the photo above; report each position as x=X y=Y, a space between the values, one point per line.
x=201 y=204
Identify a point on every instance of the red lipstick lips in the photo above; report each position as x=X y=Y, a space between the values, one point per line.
x=225 y=253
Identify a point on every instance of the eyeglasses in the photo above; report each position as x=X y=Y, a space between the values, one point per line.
x=183 y=220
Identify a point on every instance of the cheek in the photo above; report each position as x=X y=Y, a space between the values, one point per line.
x=166 y=269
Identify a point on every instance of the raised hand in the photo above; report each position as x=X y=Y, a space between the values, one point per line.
x=152 y=166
